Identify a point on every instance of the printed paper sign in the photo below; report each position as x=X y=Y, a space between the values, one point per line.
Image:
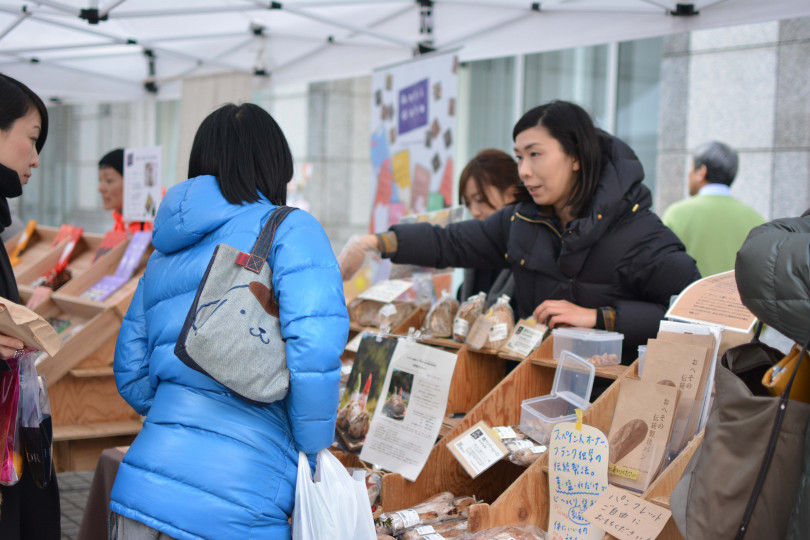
x=386 y=291
x=413 y=106
x=143 y=187
x=577 y=476
x=410 y=409
x=627 y=516
x=715 y=301
x=477 y=449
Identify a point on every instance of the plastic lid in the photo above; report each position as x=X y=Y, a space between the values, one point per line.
x=573 y=380
x=590 y=334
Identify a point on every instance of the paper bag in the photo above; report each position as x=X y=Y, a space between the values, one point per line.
x=22 y=323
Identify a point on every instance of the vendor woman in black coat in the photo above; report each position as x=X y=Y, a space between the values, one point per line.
x=583 y=245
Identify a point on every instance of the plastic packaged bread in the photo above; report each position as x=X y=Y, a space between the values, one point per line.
x=503 y=320
x=439 y=320
x=468 y=311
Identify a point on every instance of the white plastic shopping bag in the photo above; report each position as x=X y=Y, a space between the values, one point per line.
x=332 y=505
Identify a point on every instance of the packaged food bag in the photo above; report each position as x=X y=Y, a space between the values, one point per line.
x=439 y=320
x=503 y=320
x=467 y=313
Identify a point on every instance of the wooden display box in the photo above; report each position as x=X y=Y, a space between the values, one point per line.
x=39 y=246
x=104 y=266
x=90 y=327
x=514 y=494
x=80 y=261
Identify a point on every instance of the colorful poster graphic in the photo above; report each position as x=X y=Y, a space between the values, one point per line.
x=411 y=147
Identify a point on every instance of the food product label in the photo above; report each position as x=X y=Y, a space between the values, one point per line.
x=425 y=529
x=538 y=449
x=478 y=450
x=461 y=327
x=525 y=339
x=409 y=518
x=434 y=536
x=499 y=332
x=505 y=432
x=624 y=472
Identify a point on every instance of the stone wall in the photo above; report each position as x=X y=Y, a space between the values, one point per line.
x=747 y=86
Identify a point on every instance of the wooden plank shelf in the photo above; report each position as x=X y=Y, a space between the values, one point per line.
x=96 y=429
x=92 y=372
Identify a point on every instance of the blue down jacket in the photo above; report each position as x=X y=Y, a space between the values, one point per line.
x=207 y=464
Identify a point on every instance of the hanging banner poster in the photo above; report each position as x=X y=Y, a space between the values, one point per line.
x=413 y=113
x=143 y=187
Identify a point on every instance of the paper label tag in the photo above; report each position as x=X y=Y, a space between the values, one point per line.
x=525 y=339
x=434 y=536
x=409 y=518
x=479 y=450
x=385 y=291
x=505 y=432
x=354 y=343
x=479 y=333
x=538 y=449
x=425 y=529
x=461 y=327
x=519 y=445
x=625 y=472
x=499 y=332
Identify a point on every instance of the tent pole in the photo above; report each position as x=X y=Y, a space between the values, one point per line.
x=14 y=25
x=355 y=29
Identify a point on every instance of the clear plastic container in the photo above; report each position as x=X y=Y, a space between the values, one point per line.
x=573 y=382
x=586 y=342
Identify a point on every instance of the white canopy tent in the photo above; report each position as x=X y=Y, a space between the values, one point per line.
x=92 y=50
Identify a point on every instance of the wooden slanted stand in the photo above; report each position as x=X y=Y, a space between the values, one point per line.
x=88 y=413
x=514 y=494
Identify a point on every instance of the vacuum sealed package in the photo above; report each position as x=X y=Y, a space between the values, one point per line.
x=503 y=320
x=467 y=313
x=439 y=320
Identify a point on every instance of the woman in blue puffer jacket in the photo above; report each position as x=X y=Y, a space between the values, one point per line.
x=206 y=463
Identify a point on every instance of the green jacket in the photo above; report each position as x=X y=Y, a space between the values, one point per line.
x=713 y=228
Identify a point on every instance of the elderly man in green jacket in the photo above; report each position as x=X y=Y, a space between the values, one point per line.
x=712 y=224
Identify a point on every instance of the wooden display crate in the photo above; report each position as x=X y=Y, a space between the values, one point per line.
x=105 y=265
x=514 y=494
x=39 y=246
x=80 y=261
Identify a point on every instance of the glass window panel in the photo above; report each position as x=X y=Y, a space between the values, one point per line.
x=578 y=75
x=490 y=105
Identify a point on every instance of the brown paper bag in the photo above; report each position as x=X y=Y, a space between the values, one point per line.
x=22 y=323
x=641 y=427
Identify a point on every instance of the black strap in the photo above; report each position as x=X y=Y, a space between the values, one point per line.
x=261 y=250
x=771 y=448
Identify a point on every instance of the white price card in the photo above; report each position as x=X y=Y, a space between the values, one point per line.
x=385 y=291
x=477 y=449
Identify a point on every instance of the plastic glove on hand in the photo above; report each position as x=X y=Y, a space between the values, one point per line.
x=356 y=253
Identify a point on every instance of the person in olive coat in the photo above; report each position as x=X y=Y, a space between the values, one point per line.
x=583 y=244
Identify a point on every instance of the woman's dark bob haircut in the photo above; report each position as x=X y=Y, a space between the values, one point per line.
x=18 y=100
x=243 y=147
x=574 y=130
x=490 y=167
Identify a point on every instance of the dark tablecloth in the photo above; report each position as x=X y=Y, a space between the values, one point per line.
x=96 y=512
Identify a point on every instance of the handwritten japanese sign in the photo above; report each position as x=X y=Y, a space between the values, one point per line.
x=627 y=516
x=577 y=475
